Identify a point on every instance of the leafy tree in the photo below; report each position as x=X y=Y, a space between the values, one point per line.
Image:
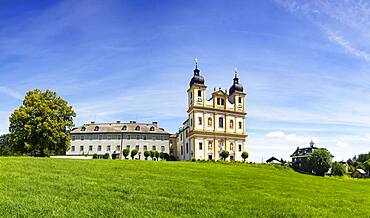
x=161 y=155
x=147 y=154
x=41 y=125
x=125 y=152
x=156 y=154
x=338 y=169
x=245 y=155
x=320 y=160
x=152 y=154
x=367 y=166
x=134 y=153
x=225 y=154
x=5 y=147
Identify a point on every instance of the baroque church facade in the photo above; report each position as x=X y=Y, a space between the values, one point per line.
x=213 y=124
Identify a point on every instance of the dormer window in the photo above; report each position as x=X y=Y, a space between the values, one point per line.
x=83 y=128
x=137 y=128
x=124 y=128
x=152 y=128
x=96 y=128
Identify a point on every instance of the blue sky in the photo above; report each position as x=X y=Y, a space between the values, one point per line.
x=304 y=64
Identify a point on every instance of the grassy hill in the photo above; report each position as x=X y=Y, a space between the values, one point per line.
x=58 y=187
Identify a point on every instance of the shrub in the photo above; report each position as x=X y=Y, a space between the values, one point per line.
x=125 y=152
x=156 y=154
x=95 y=156
x=106 y=156
x=320 y=160
x=173 y=158
x=338 y=169
x=367 y=166
x=193 y=159
x=245 y=155
x=147 y=154
x=161 y=155
x=166 y=156
x=152 y=154
x=134 y=153
x=225 y=154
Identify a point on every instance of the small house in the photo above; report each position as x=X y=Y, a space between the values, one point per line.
x=359 y=173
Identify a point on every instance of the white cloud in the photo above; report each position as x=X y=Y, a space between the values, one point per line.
x=342 y=144
x=10 y=92
x=290 y=137
x=275 y=134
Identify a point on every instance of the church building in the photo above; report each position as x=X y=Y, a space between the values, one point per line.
x=213 y=124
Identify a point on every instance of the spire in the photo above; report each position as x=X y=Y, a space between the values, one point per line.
x=236 y=79
x=196 y=70
x=312 y=143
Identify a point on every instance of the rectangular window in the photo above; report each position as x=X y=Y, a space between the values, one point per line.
x=162 y=148
x=187 y=148
x=73 y=148
x=240 y=125
x=162 y=137
x=145 y=148
x=182 y=150
x=73 y=138
x=218 y=101
x=221 y=122
x=154 y=148
x=199 y=121
x=137 y=137
x=240 y=147
x=118 y=148
x=82 y=138
x=128 y=147
x=105 y=137
x=119 y=137
x=78 y=137
x=100 y=137
x=200 y=146
x=99 y=148
x=108 y=148
x=96 y=136
x=137 y=147
x=144 y=137
x=222 y=101
x=128 y=137
x=81 y=148
x=109 y=137
x=90 y=148
x=199 y=93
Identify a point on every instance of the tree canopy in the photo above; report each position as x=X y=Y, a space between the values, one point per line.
x=320 y=161
x=41 y=125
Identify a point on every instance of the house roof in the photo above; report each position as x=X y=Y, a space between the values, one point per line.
x=361 y=171
x=118 y=127
x=272 y=160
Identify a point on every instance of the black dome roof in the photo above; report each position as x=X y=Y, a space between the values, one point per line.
x=197 y=78
x=236 y=87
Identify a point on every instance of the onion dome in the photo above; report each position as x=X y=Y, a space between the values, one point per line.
x=197 y=78
x=236 y=87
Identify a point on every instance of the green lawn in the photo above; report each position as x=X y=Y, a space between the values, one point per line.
x=113 y=188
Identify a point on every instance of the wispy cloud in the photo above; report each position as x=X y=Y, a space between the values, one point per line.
x=290 y=137
x=10 y=92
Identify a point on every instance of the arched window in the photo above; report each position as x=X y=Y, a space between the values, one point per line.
x=152 y=128
x=137 y=128
x=124 y=128
x=231 y=124
x=96 y=128
x=231 y=146
x=209 y=121
x=83 y=128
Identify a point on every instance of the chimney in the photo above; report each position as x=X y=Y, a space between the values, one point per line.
x=118 y=121
x=155 y=123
